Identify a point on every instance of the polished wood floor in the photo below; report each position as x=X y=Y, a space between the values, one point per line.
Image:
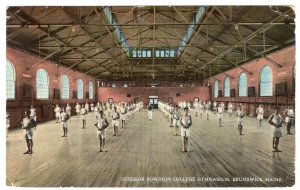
x=149 y=149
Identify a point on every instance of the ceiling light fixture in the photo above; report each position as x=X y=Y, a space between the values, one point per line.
x=236 y=27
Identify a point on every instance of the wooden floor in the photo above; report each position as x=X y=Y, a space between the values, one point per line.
x=148 y=149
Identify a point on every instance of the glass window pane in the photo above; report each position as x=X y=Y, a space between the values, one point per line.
x=144 y=53
x=65 y=87
x=42 y=84
x=79 y=89
x=157 y=53
x=148 y=53
x=243 y=85
x=227 y=87
x=91 y=90
x=162 y=53
x=266 y=84
x=172 y=53
x=10 y=81
x=133 y=53
x=216 y=88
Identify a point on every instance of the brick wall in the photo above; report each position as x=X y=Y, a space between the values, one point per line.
x=163 y=93
x=284 y=74
x=21 y=61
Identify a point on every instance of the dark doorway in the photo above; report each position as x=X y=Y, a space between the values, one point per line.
x=153 y=100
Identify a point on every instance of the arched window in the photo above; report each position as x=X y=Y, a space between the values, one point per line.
x=65 y=87
x=216 y=88
x=91 y=90
x=266 y=83
x=243 y=85
x=227 y=87
x=10 y=81
x=42 y=84
x=79 y=89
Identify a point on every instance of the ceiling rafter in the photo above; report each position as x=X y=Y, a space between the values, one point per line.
x=246 y=39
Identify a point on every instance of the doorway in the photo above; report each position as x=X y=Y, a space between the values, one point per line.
x=153 y=100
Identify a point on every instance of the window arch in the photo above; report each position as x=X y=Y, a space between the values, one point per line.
x=42 y=84
x=243 y=85
x=10 y=80
x=227 y=87
x=266 y=83
x=65 y=87
x=79 y=89
x=216 y=88
x=91 y=90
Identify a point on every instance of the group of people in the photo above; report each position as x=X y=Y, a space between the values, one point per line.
x=173 y=115
x=119 y=112
x=102 y=111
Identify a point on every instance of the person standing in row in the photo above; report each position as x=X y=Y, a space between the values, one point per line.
x=196 y=107
x=92 y=106
x=171 y=111
x=7 y=123
x=201 y=109
x=240 y=118
x=33 y=112
x=83 y=113
x=57 y=111
x=65 y=119
x=215 y=107
x=289 y=119
x=28 y=124
x=207 y=111
x=77 y=108
x=230 y=109
x=176 y=118
x=150 y=112
x=260 y=114
x=186 y=122
x=96 y=112
x=123 y=110
x=87 y=107
x=220 y=111
x=68 y=111
x=101 y=125
x=276 y=121
x=115 y=120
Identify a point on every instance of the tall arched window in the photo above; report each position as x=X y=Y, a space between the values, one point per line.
x=243 y=85
x=91 y=90
x=65 y=87
x=227 y=87
x=42 y=84
x=10 y=81
x=216 y=88
x=266 y=83
x=79 y=89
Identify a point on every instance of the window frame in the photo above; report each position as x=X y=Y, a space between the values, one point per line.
x=62 y=87
x=48 y=84
x=260 y=82
x=216 y=92
x=14 y=79
x=246 y=88
x=78 y=92
x=227 y=78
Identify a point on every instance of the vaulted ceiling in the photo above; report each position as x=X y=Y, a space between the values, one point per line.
x=113 y=42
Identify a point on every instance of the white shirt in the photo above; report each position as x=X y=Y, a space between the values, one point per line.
x=220 y=110
x=32 y=112
x=57 y=110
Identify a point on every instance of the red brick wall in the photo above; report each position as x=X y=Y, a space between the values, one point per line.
x=163 y=93
x=21 y=61
x=284 y=74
